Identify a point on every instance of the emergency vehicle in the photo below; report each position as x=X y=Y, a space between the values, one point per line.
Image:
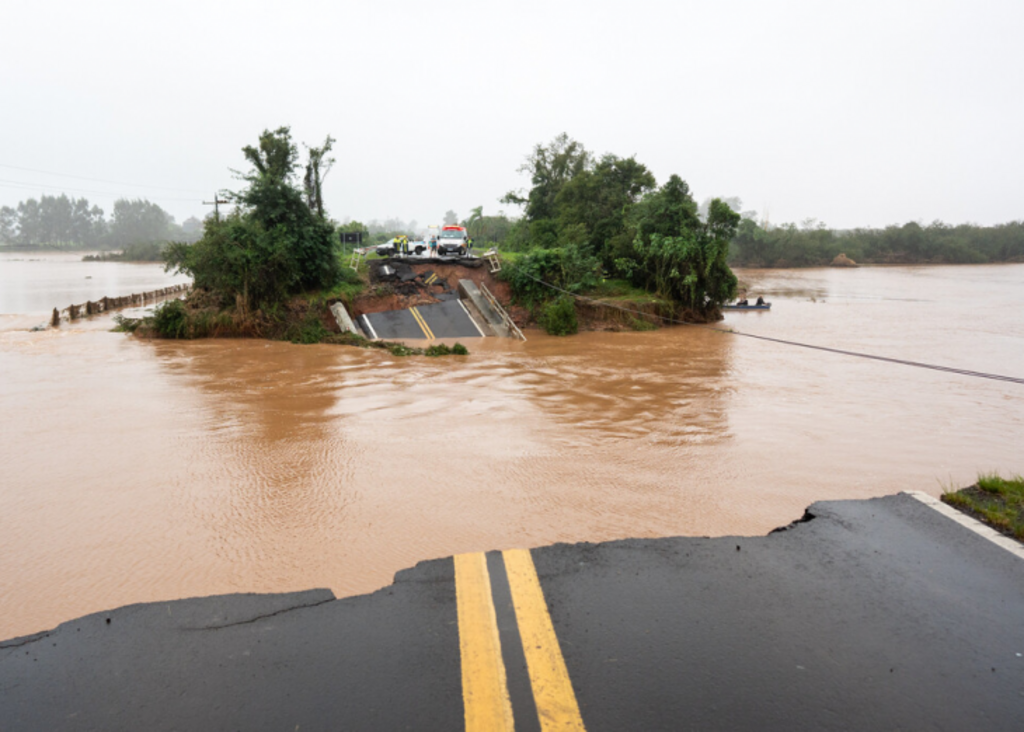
x=453 y=240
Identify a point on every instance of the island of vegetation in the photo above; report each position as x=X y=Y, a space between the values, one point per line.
x=596 y=233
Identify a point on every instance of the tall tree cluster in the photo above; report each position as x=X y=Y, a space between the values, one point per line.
x=276 y=242
x=53 y=220
x=585 y=214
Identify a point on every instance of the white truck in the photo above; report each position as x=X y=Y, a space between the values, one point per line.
x=453 y=240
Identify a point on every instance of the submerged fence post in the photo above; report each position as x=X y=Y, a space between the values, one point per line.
x=55 y=320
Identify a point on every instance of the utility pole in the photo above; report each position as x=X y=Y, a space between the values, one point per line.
x=217 y=200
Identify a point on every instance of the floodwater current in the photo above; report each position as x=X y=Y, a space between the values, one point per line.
x=135 y=471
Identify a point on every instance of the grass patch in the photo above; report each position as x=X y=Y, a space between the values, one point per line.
x=622 y=290
x=642 y=325
x=440 y=349
x=506 y=257
x=997 y=501
x=351 y=286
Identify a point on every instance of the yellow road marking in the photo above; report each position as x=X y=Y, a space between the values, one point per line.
x=484 y=689
x=552 y=689
x=422 y=323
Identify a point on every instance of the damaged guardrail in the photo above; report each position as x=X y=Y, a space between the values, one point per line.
x=505 y=318
x=93 y=307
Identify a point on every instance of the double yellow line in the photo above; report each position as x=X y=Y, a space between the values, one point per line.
x=484 y=686
x=418 y=316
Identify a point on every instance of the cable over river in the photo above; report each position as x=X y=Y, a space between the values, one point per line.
x=137 y=471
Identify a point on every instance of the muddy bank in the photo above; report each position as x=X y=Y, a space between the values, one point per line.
x=307 y=318
x=381 y=296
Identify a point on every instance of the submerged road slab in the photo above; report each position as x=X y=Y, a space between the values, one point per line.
x=439 y=320
x=878 y=614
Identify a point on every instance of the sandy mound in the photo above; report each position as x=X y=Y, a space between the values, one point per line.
x=842 y=260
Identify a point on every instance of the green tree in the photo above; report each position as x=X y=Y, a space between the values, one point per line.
x=593 y=205
x=317 y=168
x=550 y=167
x=138 y=222
x=667 y=211
x=474 y=223
x=30 y=229
x=691 y=267
x=272 y=245
x=274 y=158
x=8 y=225
x=56 y=221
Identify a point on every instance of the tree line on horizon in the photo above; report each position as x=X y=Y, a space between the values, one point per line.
x=598 y=209
x=61 y=222
x=813 y=244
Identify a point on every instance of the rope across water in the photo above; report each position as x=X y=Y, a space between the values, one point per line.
x=856 y=354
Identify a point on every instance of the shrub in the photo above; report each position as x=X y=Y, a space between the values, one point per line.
x=170 y=320
x=400 y=349
x=570 y=268
x=558 y=317
x=438 y=349
x=310 y=330
x=125 y=325
x=460 y=350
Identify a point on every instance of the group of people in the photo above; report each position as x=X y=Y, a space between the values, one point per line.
x=744 y=302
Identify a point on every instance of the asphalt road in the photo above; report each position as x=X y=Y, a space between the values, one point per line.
x=440 y=320
x=879 y=614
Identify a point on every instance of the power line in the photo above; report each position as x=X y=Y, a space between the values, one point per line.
x=856 y=354
x=97 y=180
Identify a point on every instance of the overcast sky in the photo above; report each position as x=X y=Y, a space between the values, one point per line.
x=860 y=113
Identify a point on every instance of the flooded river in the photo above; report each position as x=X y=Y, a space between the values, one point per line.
x=134 y=471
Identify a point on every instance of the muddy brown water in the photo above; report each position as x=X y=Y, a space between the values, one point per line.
x=134 y=471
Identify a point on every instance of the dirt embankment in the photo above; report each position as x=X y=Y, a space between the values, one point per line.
x=381 y=296
x=621 y=315
x=425 y=289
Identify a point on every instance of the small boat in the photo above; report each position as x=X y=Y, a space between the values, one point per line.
x=736 y=306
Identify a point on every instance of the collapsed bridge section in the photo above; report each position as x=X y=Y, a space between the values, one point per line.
x=429 y=300
x=448 y=319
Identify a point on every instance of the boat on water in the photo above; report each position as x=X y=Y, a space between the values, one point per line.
x=738 y=306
